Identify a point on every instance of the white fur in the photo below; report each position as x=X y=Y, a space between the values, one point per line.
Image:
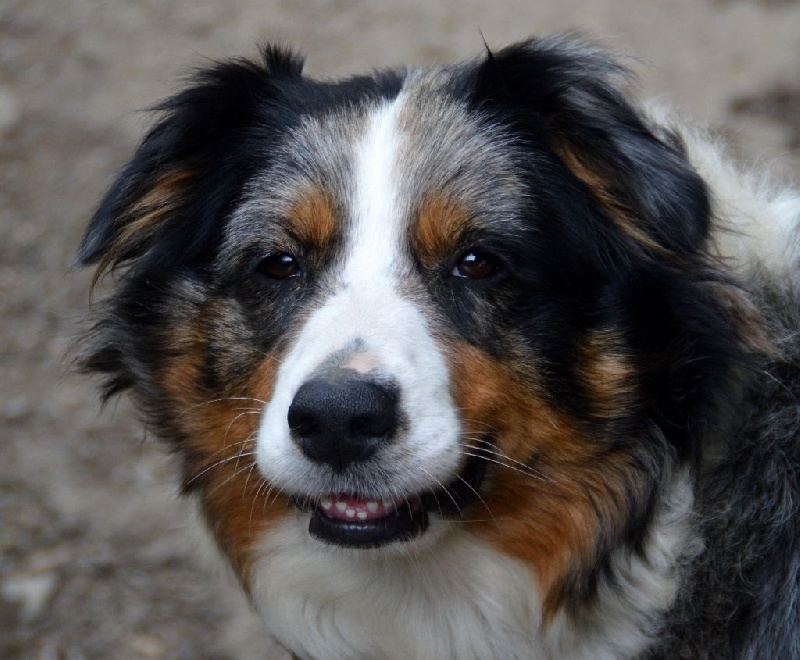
x=626 y=614
x=757 y=226
x=368 y=320
x=457 y=598
x=757 y=223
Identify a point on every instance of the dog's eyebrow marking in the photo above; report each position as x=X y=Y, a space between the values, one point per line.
x=313 y=218
x=439 y=224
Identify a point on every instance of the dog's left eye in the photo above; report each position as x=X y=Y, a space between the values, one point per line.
x=475 y=265
x=279 y=266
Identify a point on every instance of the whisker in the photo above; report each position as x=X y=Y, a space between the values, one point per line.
x=267 y=487
x=218 y=464
x=270 y=498
x=253 y=466
x=240 y=453
x=467 y=520
x=236 y=473
x=492 y=450
x=480 y=422
x=447 y=492
x=477 y=494
x=526 y=473
x=233 y=444
x=225 y=399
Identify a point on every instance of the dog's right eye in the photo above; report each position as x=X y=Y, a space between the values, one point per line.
x=279 y=266
x=475 y=265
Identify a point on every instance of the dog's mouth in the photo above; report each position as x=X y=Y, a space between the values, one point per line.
x=356 y=521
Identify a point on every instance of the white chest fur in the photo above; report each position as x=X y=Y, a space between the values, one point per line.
x=459 y=598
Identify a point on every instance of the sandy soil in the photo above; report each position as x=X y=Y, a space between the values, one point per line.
x=96 y=556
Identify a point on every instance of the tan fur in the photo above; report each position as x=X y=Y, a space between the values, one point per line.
x=609 y=375
x=569 y=486
x=141 y=221
x=313 y=219
x=440 y=223
x=219 y=444
x=603 y=192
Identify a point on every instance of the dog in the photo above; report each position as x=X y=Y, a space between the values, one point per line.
x=488 y=360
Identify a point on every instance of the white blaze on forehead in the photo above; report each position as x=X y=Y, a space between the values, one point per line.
x=371 y=326
x=376 y=232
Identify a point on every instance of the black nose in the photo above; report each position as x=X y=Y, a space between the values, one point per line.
x=340 y=421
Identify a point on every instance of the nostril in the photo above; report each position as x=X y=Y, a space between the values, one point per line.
x=303 y=418
x=302 y=423
x=380 y=420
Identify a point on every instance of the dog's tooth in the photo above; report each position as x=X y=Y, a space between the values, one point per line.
x=341 y=507
x=326 y=504
x=372 y=507
x=362 y=515
x=350 y=513
x=387 y=504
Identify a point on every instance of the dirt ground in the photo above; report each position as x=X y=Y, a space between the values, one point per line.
x=97 y=558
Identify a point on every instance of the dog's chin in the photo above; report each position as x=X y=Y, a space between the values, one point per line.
x=359 y=521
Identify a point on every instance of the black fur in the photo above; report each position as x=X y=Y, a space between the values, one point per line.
x=742 y=596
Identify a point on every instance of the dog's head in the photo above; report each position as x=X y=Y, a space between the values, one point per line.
x=392 y=306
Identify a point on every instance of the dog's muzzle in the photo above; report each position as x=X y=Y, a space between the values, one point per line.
x=342 y=420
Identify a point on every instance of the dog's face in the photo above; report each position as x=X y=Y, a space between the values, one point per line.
x=362 y=418
x=394 y=306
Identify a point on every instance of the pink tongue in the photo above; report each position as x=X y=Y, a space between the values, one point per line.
x=344 y=507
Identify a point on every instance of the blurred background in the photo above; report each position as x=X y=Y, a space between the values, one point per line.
x=96 y=555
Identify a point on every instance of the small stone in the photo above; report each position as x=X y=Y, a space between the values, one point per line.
x=149 y=646
x=31 y=590
x=16 y=409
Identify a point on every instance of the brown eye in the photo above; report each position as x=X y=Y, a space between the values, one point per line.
x=280 y=266
x=475 y=265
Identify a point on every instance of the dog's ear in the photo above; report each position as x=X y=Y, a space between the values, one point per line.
x=568 y=93
x=179 y=181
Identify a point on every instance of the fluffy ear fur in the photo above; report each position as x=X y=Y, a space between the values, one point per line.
x=645 y=183
x=154 y=208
